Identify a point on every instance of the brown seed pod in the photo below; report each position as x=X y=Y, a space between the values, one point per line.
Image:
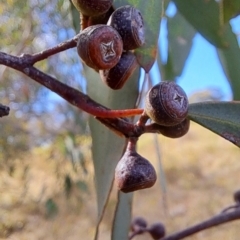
x=175 y=131
x=138 y=223
x=100 y=19
x=133 y=172
x=92 y=7
x=116 y=77
x=157 y=231
x=87 y=21
x=128 y=21
x=166 y=104
x=100 y=46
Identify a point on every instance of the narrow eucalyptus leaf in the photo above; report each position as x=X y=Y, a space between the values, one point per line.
x=75 y=17
x=107 y=147
x=222 y=118
x=230 y=60
x=231 y=8
x=122 y=216
x=205 y=18
x=180 y=36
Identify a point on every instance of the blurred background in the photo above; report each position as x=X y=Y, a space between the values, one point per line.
x=46 y=172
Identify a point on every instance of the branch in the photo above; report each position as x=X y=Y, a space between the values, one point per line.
x=73 y=96
x=212 y=222
x=122 y=127
x=113 y=119
x=110 y=118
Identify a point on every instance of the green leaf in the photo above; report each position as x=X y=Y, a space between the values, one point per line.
x=152 y=12
x=107 y=147
x=230 y=60
x=60 y=4
x=222 y=118
x=180 y=36
x=231 y=8
x=75 y=17
x=122 y=216
x=205 y=18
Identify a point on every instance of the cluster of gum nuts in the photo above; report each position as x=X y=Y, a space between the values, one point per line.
x=139 y=226
x=166 y=104
x=107 y=45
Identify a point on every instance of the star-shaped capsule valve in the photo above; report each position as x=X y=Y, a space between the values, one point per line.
x=107 y=50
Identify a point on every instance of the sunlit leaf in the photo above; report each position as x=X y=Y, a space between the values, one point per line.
x=152 y=13
x=107 y=147
x=230 y=60
x=223 y=118
x=180 y=36
x=205 y=18
x=231 y=8
x=122 y=217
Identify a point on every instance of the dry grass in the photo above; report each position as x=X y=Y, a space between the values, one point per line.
x=201 y=169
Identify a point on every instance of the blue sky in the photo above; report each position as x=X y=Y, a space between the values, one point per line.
x=203 y=70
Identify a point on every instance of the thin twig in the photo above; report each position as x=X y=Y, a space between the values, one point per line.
x=32 y=59
x=230 y=208
x=138 y=232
